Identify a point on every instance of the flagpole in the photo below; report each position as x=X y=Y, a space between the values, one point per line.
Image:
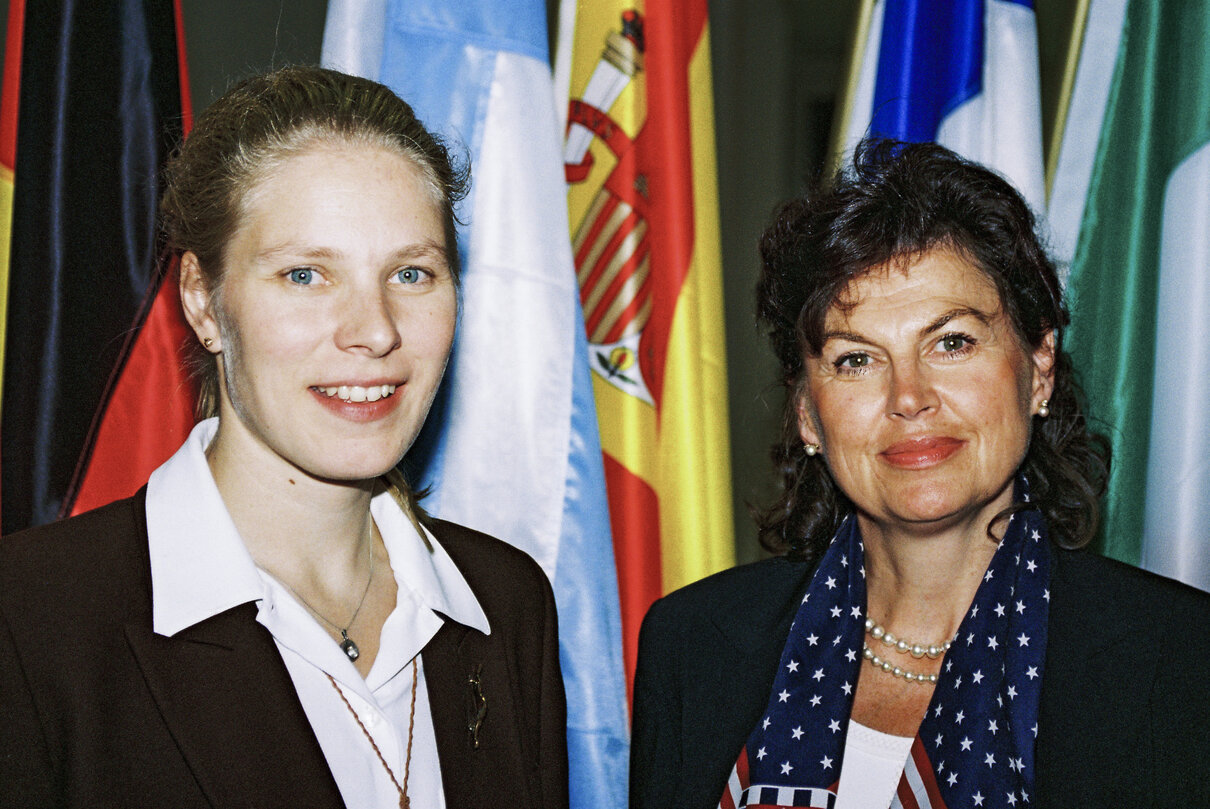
x=1070 y=66
x=844 y=109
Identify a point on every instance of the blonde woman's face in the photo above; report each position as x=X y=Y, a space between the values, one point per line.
x=337 y=313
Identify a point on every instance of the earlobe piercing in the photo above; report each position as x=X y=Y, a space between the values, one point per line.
x=812 y=449
x=1044 y=408
x=206 y=341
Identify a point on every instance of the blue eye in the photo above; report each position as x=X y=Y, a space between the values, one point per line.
x=410 y=275
x=303 y=276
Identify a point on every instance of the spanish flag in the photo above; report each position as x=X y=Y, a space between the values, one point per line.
x=95 y=395
x=642 y=198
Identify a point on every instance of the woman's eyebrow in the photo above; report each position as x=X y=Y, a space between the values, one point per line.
x=296 y=250
x=932 y=326
x=850 y=336
x=319 y=252
x=961 y=311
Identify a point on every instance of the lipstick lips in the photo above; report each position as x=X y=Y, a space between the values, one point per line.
x=921 y=453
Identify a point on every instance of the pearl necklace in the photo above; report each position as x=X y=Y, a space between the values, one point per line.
x=916 y=650
x=891 y=668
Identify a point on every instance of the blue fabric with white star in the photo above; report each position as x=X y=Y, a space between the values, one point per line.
x=980 y=728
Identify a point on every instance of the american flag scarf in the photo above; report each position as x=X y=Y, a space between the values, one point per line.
x=975 y=746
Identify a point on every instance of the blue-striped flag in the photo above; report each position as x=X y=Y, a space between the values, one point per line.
x=512 y=447
x=962 y=73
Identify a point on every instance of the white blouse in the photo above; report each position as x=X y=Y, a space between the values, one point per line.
x=200 y=567
x=873 y=762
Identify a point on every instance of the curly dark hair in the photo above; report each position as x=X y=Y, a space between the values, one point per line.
x=896 y=202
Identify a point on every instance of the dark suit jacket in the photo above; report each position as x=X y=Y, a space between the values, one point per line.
x=1122 y=722
x=98 y=711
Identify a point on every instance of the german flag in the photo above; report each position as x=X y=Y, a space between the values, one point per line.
x=94 y=392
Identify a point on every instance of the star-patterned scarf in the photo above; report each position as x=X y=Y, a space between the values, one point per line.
x=975 y=745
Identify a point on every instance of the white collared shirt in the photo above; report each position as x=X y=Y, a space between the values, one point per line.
x=200 y=567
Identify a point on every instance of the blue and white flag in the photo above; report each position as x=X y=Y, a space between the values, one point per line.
x=512 y=447
x=962 y=73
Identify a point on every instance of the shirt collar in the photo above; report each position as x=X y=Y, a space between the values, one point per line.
x=200 y=567
x=431 y=576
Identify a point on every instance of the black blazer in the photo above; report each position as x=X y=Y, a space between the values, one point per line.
x=96 y=710
x=1123 y=717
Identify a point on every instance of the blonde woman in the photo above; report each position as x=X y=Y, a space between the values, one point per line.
x=272 y=621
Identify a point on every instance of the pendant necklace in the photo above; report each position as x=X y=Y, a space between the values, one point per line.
x=346 y=643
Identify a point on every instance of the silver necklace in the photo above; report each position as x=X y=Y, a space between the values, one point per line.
x=346 y=643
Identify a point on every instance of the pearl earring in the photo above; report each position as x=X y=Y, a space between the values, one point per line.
x=1044 y=408
x=812 y=450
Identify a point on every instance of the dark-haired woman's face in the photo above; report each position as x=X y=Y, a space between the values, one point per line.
x=335 y=314
x=922 y=397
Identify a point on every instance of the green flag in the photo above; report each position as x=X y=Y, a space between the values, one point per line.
x=1139 y=281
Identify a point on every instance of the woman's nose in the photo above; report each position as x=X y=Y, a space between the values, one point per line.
x=369 y=324
x=912 y=393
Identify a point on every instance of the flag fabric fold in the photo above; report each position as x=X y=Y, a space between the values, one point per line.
x=1130 y=208
x=101 y=106
x=962 y=73
x=512 y=446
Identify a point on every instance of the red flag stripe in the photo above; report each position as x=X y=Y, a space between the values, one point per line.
x=618 y=286
x=631 y=311
x=637 y=550
x=12 y=84
x=606 y=214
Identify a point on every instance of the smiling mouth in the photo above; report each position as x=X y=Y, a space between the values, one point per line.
x=357 y=393
x=921 y=453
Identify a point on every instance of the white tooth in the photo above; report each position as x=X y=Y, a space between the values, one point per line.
x=330 y=391
x=357 y=394
x=387 y=390
x=373 y=394
x=343 y=392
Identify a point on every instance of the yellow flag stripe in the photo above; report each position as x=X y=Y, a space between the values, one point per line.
x=628 y=430
x=694 y=483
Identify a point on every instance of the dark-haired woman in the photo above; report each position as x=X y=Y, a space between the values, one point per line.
x=931 y=635
x=272 y=621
